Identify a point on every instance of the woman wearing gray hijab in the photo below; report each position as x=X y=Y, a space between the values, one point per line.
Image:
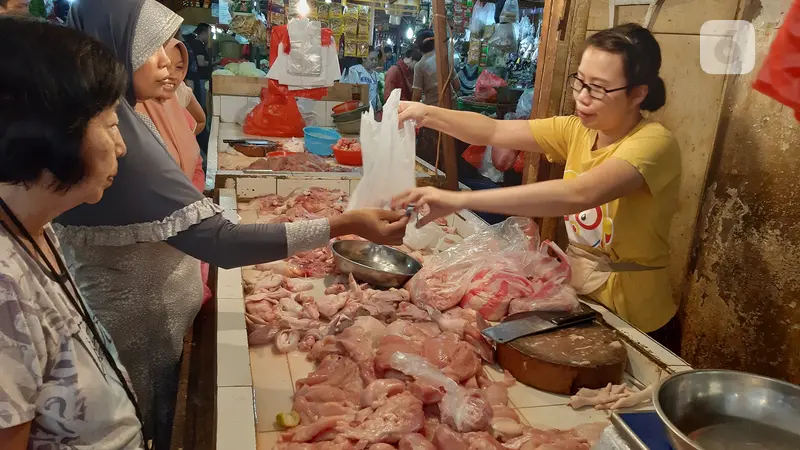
x=135 y=253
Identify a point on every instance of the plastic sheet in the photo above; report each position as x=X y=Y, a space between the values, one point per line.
x=388 y=154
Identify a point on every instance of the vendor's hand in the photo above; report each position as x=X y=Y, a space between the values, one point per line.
x=416 y=111
x=378 y=225
x=440 y=203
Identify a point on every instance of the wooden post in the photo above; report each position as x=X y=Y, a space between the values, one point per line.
x=564 y=26
x=443 y=71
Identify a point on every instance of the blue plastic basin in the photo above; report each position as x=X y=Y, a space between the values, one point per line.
x=320 y=141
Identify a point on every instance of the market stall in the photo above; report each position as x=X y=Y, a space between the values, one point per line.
x=257 y=383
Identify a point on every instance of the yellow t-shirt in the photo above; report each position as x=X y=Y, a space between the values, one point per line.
x=634 y=228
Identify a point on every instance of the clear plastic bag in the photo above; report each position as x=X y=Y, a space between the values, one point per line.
x=510 y=12
x=428 y=236
x=482 y=15
x=305 y=57
x=388 y=153
x=487 y=169
x=525 y=104
x=507 y=254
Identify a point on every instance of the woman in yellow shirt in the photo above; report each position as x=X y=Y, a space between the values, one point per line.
x=620 y=186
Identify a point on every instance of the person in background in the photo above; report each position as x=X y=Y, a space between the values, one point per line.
x=364 y=73
x=61 y=383
x=389 y=58
x=401 y=75
x=19 y=7
x=170 y=118
x=199 y=61
x=426 y=90
x=135 y=254
x=620 y=186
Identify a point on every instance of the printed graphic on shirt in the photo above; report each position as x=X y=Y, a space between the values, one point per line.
x=593 y=227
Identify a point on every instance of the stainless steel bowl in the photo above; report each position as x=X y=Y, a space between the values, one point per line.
x=378 y=265
x=723 y=409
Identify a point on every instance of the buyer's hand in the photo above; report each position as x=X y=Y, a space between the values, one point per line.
x=379 y=226
x=440 y=203
x=416 y=111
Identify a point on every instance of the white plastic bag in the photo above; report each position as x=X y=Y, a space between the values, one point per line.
x=388 y=155
x=488 y=169
x=428 y=236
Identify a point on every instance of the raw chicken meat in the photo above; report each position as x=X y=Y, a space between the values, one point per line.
x=399 y=416
x=466 y=410
x=296 y=162
x=492 y=269
x=613 y=397
x=415 y=441
x=389 y=345
x=379 y=390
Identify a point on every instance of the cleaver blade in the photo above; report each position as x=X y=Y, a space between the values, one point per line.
x=530 y=324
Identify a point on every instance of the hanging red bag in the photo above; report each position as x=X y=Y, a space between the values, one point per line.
x=485 y=87
x=779 y=76
x=519 y=164
x=503 y=158
x=276 y=116
x=474 y=155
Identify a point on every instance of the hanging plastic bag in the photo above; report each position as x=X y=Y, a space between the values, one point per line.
x=487 y=169
x=482 y=15
x=485 y=87
x=388 y=153
x=474 y=155
x=503 y=158
x=510 y=12
x=244 y=111
x=780 y=74
x=276 y=116
x=519 y=163
x=525 y=104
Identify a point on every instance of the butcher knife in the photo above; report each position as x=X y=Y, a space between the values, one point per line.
x=256 y=142
x=535 y=322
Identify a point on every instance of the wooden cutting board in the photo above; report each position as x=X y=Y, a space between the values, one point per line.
x=566 y=360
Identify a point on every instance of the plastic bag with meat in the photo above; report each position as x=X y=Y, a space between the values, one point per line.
x=492 y=268
x=503 y=158
x=519 y=163
x=485 y=87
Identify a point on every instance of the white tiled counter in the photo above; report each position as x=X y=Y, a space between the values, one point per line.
x=255 y=384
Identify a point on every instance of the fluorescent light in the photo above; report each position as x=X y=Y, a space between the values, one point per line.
x=389 y=41
x=410 y=33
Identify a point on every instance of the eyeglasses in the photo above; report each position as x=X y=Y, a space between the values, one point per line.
x=595 y=91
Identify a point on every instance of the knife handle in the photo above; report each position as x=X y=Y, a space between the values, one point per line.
x=579 y=317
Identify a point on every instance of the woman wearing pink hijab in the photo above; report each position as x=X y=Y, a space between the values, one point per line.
x=176 y=124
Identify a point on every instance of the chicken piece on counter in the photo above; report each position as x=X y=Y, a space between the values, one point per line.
x=611 y=397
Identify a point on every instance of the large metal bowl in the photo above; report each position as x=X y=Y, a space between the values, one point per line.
x=378 y=265
x=722 y=409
